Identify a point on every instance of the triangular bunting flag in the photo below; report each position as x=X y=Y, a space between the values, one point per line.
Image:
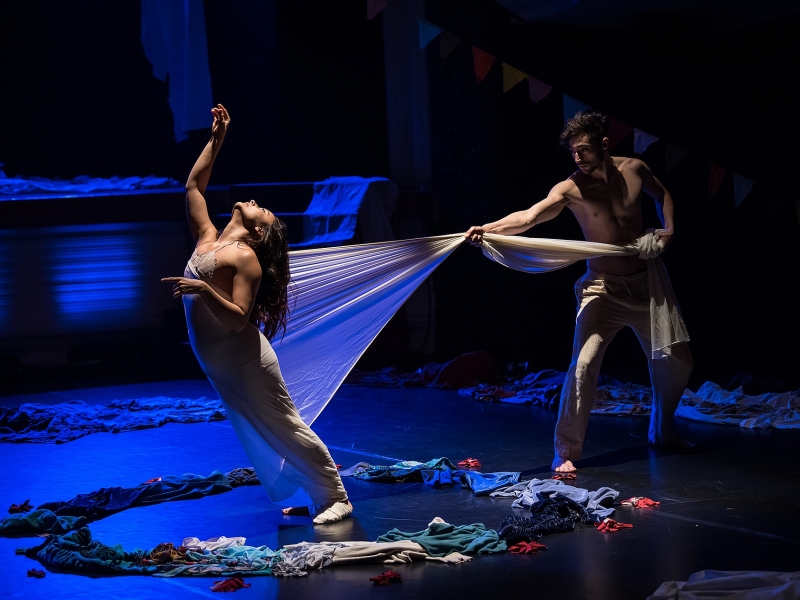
x=427 y=32
x=715 y=175
x=642 y=140
x=447 y=43
x=572 y=107
x=617 y=132
x=672 y=157
x=482 y=63
x=511 y=77
x=742 y=186
x=374 y=7
x=538 y=89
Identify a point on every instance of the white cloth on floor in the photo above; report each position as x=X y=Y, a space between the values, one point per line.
x=733 y=585
x=211 y=544
x=712 y=404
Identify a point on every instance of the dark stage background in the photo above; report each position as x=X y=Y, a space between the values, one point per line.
x=305 y=85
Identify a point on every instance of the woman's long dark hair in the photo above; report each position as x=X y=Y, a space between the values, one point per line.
x=272 y=298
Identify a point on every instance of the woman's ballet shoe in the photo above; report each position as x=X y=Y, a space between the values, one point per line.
x=338 y=511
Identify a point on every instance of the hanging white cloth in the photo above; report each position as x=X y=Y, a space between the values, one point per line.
x=344 y=296
x=537 y=255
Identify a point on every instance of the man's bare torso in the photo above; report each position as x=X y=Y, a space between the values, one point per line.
x=610 y=212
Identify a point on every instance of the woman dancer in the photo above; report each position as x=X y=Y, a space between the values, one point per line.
x=235 y=284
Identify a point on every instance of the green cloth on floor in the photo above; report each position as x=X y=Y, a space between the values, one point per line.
x=39 y=521
x=440 y=538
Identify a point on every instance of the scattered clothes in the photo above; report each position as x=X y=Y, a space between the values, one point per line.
x=20 y=508
x=153 y=480
x=229 y=585
x=242 y=476
x=60 y=517
x=562 y=476
x=76 y=552
x=712 y=404
x=544 y=388
x=406 y=470
x=469 y=463
x=741 y=585
x=386 y=578
x=68 y=421
x=82 y=184
x=36 y=573
x=598 y=503
x=39 y=521
x=610 y=525
x=639 y=502
x=441 y=538
x=526 y=548
x=217 y=543
x=439 y=472
x=467 y=369
x=354 y=470
x=483 y=484
x=550 y=515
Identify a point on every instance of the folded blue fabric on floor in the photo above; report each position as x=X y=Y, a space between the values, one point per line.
x=405 y=470
x=60 y=423
x=76 y=552
x=60 y=517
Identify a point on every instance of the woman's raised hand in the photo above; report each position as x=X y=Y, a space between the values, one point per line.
x=221 y=121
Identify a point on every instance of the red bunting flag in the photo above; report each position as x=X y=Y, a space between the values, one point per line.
x=618 y=131
x=511 y=77
x=447 y=43
x=715 y=176
x=538 y=90
x=374 y=7
x=482 y=62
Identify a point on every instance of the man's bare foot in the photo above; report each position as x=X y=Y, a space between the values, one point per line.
x=296 y=511
x=565 y=467
x=338 y=511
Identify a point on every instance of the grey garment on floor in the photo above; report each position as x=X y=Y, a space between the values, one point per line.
x=300 y=558
x=598 y=503
x=732 y=585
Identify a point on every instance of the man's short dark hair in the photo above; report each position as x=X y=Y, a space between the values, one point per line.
x=594 y=124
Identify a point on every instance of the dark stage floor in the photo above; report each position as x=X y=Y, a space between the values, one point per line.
x=734 y=506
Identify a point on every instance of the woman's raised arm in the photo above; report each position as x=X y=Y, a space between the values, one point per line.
x=196 y=210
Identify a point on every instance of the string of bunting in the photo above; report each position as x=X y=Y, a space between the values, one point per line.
x=619 y=130
x=538 y=90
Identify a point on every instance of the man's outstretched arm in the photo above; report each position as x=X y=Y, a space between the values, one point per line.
x=522 y=220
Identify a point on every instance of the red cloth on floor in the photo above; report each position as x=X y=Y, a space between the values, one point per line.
x=36 y=573
x=560 y=476
x=526 y=548
x=469 y=463
x=20 y=508
x=611 y=525
x=229 y=585
x=639 y=502
x=386 y=578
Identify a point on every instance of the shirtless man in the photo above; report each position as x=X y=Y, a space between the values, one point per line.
x=604 y=194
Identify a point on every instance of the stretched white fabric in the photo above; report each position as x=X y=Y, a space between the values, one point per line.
x=343 y=297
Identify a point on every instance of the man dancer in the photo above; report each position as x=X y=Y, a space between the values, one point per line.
x=604 y=194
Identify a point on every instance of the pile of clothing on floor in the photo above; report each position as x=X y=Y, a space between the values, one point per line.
x=77 y=552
